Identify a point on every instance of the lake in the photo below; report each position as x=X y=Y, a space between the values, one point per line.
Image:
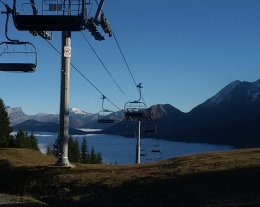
x=121 y=150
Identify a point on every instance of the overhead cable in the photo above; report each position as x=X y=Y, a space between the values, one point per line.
x=3 y=2
x=127 y=66
x=92 y=84
x=124 y=58
x=104 y=66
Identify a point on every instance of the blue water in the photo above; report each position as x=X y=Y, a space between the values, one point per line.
x=121 y=150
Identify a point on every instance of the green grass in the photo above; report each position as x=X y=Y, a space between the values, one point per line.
x=214 y=179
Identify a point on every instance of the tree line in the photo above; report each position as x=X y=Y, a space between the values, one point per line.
x=77 y=153
x=20 y=140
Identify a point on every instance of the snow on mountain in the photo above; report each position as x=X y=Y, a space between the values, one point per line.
x=79 y=112
x=17 y=116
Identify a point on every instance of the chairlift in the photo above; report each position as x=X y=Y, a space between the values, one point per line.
x=155 y=153
x=50 y=16
x=17 y=66
x=150 y=130
x=143 y=154
x=104 y=115
x=21 y=66
x=136 y=109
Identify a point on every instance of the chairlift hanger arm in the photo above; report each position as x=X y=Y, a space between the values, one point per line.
x=103 y=99
x=139 y=88
x=99 y=10
x=35 y=10
x=8 y=12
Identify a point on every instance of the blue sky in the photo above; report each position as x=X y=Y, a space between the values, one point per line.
x=183 y=51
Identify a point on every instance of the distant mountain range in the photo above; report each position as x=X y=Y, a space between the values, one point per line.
x=49 y=122
x=37 y=126
x=231 y=117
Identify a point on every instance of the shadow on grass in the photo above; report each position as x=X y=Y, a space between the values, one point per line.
x=238 y=187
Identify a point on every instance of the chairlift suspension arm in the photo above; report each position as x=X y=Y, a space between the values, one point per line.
x=8 y=12
x=35 y=11
x=99 y=10
x=139 y=88
x=103 y=99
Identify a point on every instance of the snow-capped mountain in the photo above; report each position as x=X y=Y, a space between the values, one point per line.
x=17 y=116
x=77 y=111
x=78 y=118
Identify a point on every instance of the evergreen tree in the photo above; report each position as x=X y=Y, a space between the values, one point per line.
x=5 y=129
x=33 y=142
x=84 y=151
x=74 y=150
x=21 y=139
x=99 y=158
x=95 y=158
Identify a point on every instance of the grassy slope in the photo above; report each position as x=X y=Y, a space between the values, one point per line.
x=214 y=179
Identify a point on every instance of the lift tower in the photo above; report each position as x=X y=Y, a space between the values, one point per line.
x=137 y=110
x=65 y=16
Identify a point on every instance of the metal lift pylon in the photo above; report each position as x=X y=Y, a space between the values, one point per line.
x=60 y=16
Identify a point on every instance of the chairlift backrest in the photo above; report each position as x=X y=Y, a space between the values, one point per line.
x=104 y=117
x=51 y=15
x=150 y=129
x=135 y=110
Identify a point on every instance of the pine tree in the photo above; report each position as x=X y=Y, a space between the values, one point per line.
x=33 y=142
x=73 y=150
x=99 y=158
x=93 y=156
x=5 y=129
x=84 y=151
x=21 y=141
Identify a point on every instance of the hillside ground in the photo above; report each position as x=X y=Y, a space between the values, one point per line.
x=213 y=179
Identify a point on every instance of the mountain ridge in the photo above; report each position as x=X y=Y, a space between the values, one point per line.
x=230 y=117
